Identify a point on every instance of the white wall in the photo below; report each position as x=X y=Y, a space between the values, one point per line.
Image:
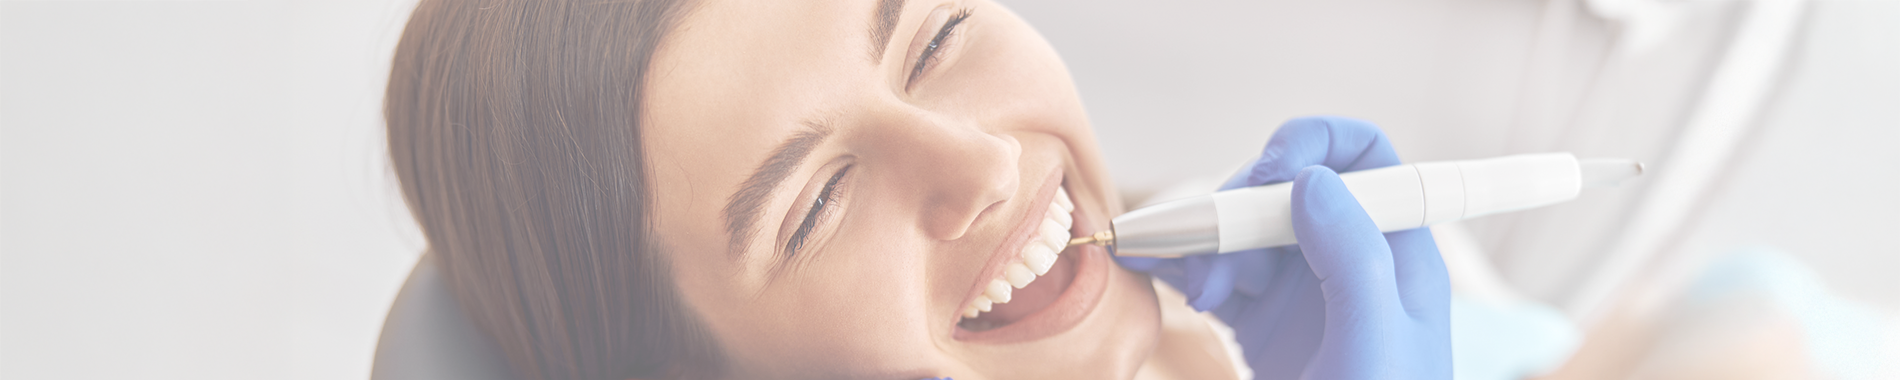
x=1159 y=78
x=193 y=190
x=1819 y=178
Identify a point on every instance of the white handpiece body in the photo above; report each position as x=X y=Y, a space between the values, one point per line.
x=1397 y=198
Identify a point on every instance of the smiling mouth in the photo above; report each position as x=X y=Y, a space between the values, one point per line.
x=1033 y=279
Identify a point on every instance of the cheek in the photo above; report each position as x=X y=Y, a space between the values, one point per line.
x=869 y=271
x=862 y=300
x=876 y=273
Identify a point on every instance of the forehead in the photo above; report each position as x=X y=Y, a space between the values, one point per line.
x=725 y=48
x=734 y=79
x=742 y=74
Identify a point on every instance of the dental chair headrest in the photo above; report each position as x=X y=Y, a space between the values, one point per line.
x=427 y=337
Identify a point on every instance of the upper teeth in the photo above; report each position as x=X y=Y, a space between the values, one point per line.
x=1036 y=257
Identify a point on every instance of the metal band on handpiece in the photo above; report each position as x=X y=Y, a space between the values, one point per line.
x=1172 y=229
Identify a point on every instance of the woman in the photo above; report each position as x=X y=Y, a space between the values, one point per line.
x=849 y=189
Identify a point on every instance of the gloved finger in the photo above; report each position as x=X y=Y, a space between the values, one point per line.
x=1221 y=276
x=1206 y=280
x=1342 y=245
x=1424 y=285
x=1148 y=265
x=1342 y=144
x=1217 y=273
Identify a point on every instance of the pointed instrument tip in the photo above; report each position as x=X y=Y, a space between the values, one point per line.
x=1103 y=238
x=1608 y=171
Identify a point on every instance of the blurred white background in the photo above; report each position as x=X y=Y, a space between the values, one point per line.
x=195 y=189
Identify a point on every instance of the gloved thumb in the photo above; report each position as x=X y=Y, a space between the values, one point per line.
x=1342 y=244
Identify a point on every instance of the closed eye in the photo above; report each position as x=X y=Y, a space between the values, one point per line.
x=933 y=50
x=820 y=208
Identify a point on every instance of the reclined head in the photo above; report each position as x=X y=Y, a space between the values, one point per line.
x=786 y=189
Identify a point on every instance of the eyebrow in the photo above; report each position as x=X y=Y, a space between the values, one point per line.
x=883 y=23
x=744 y=208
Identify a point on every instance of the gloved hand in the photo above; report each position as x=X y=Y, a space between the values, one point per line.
x=1348 y=302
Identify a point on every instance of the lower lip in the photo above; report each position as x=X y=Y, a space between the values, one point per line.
x=1083 y=293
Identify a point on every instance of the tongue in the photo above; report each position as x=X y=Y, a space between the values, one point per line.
x=1031 y=299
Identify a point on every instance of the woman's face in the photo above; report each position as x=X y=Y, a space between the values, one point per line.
x=840 y=182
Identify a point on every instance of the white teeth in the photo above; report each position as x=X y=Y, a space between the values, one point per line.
x=1039 y=259
x=1038 y=256
x=1018 y=275
x=998 y=291
x=1055 y=235
x=1062 y=198
x=1061 y=217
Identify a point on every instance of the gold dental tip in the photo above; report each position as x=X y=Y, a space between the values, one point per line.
x=1103 y=238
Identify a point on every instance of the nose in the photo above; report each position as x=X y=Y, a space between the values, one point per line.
x=960 y=170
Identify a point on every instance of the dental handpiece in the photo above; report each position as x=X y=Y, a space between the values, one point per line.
x=1397 y=198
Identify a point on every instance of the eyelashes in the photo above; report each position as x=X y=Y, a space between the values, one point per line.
x=826 y=202
x=932 y=51
x=820 y=208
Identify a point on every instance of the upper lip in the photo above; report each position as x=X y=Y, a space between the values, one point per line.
x=1011 y=246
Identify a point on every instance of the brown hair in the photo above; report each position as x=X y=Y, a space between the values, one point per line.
x=514 y=132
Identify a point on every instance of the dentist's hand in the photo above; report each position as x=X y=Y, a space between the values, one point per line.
x=1348 y=302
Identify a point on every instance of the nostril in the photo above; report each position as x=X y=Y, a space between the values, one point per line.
x=973 y=177
x=951 y=220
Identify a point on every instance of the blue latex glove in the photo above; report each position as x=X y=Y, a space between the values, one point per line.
x=1348 y=302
